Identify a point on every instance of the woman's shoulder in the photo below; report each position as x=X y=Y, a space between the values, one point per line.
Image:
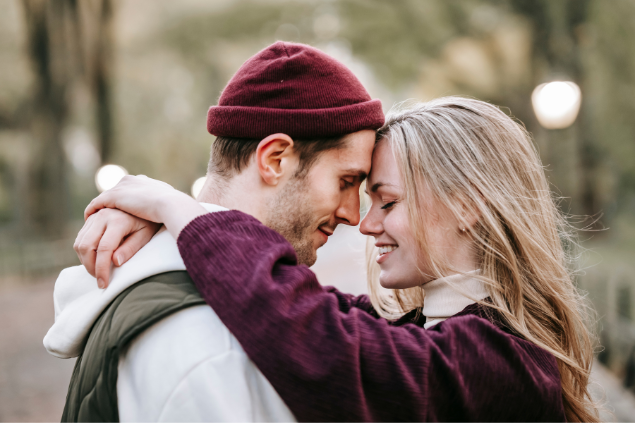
x=497 y=369
x=486 y=330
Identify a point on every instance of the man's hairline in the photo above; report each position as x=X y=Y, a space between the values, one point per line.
x=344 y=142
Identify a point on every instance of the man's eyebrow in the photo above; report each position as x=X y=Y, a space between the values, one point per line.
x=359 y=174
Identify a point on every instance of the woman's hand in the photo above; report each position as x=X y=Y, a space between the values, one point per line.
x=111 y=235
x=150 y=200
x=137 y=195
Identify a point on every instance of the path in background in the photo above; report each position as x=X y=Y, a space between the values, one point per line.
x=33 y=384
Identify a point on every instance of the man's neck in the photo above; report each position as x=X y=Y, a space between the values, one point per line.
x=237 y=193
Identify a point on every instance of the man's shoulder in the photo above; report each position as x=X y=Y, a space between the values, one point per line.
x=188 y=366
x=159 y=359
x=189 y=334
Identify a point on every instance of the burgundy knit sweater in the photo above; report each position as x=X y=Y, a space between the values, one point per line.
x=331 y=358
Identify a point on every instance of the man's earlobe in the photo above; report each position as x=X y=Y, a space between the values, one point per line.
x=275 y=158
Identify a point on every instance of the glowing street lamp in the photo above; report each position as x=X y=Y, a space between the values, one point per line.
x=556 y=104
x=197 y=186
x=108 y=176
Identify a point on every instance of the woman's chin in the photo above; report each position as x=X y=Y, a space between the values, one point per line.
x=389 y=281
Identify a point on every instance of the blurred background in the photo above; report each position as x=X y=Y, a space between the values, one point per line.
x=126 y=84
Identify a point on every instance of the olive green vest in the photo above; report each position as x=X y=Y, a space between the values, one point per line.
x=92 y=393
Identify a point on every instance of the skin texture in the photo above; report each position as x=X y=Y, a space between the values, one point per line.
x=387 y=221
x=305 y=210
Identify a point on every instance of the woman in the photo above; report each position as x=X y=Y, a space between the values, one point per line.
x=462 y=216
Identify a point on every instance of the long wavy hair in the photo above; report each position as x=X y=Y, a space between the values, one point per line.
x=472 y=156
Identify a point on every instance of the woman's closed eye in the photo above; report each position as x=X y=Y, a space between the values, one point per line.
x=388 y=206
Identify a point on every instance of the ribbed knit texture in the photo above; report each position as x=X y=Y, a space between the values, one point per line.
x=449 y=295
x=331 y=358
x=293 y=89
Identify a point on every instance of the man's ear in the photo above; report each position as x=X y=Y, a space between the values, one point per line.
x=276 y=158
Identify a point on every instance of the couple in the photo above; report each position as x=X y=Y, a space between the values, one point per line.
x=477 y=319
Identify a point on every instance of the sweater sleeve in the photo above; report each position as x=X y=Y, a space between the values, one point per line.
x=332 y=361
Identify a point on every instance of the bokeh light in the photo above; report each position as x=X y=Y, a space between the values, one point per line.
x=108 y=176
x=197 y=186
x=556 y=104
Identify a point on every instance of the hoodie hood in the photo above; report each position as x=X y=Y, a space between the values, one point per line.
x=79 y=302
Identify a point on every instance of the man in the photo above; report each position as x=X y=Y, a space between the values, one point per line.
x=295 y=134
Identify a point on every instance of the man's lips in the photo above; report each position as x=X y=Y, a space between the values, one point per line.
x=325 y=233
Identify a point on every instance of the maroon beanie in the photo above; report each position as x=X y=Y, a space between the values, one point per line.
x=293 y=89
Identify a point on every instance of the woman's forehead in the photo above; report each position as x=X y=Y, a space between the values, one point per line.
x=384 y=170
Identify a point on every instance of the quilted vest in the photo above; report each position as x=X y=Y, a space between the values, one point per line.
x=92 y=393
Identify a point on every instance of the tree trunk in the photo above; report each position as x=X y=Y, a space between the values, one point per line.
x=102 y=78
x=64 y=53
x=48 y=195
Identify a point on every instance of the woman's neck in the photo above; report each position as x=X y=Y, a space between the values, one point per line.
x=447 y=296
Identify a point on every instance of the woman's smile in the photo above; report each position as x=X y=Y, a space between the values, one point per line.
x=384 y=252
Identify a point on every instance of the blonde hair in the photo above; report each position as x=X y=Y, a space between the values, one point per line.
x=472 y=156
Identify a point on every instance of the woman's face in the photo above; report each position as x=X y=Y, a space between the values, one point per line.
x=399 y=258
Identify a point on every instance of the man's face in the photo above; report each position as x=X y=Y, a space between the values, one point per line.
x=309 y=208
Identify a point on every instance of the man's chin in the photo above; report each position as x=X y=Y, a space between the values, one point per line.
x=306 y=253
x=308 y=259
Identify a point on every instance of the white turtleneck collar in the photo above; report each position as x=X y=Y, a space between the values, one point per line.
x=443 y=300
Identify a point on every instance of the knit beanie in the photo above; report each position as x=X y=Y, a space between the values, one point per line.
x=293 y=89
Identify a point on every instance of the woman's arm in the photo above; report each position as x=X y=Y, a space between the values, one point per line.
x=330 y=362
x=295 y=331
x=151 y=200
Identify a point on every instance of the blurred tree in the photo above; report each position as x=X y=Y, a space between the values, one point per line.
x=68 y=46
x=557 y=54
x=567 y=39
x=496 y=50
x=102 y=78
x=47 y=24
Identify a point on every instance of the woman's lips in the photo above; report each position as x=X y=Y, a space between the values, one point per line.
x=384 y=252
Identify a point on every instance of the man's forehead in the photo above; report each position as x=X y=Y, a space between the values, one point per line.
x=354 y=162
x=358 y=150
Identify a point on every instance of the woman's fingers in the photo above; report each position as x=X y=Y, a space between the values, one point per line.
x=134 y=242
x=111 y=240
x=100 y=202
x=77 y=245
x=87 y=242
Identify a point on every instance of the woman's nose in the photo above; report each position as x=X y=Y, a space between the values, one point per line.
x=371 y=224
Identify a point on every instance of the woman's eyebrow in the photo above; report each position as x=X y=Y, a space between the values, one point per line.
x=378 y=185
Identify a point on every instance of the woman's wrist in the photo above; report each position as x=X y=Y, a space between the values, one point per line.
x=175 y=211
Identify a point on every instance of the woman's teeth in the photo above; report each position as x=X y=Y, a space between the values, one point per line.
x=387 y=248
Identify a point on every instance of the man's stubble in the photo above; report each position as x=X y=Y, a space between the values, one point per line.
x=291 y=215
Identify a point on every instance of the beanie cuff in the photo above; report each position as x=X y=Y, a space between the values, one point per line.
x=260 y=122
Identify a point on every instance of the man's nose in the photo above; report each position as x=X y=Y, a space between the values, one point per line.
x=348 y=212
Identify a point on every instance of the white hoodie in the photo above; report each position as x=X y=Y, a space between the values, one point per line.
x=187 y=367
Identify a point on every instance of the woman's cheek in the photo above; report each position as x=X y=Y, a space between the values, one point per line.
x=398 y=227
